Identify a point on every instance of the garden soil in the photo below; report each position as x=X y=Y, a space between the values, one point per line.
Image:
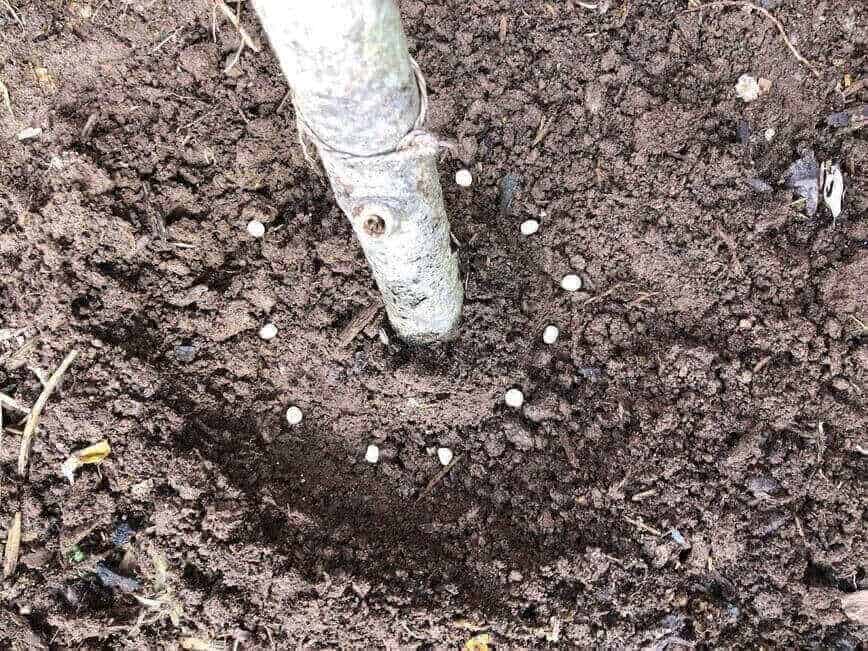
x=688 y=467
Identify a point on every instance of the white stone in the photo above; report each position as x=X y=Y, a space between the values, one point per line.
x=29 y=133
x=268 y=331
x=294 y=415
x=529 y=227
x=256 y=228
x=514 y=398
x=372 y=454
x=550 y=334
x=464 y=178
x=770 y=134
x=571 y=283
x=747 y=88
x=445 y=456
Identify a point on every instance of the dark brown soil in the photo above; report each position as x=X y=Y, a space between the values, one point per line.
x=710 y=380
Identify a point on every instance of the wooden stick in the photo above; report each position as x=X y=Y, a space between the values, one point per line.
x=767 y=14
x=36 y=412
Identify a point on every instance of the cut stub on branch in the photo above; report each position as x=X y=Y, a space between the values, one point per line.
x=395 y=205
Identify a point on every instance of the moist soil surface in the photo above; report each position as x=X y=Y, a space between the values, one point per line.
x=688 y=466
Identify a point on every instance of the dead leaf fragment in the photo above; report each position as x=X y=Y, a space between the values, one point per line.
x=91 y=454
x=478 y=643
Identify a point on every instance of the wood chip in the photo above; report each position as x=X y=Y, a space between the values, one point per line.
x=36 y=412
x=13 y=544
x=359 y=323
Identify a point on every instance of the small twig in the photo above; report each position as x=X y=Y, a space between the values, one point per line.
x=542 y=131
x=641 y=525
x=40 y=375
x=4 y=93
x=283 y=102
x=730 y=244
x=219 y=4
x=11 y=403
x=235 y=58
x=767 y=14
x=36 y=412
x=438 y=478
x=166 y=40
x=760 y=365
x=799 y=527
x=87 y=129
x=13 y=544
x=14 y=15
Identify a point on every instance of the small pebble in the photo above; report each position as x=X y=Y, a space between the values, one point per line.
x=464 y=178
x=445 y=456
x=571 y=283
x=185 y=353
x=123 y=533
x=514 y=398
x=372 y=454
x=112 y=580
x=268 y=331
x=29 y=133
x=294 y=415
x=255 y=228
x=770 y=134
x=529 y=227
x=550 y=334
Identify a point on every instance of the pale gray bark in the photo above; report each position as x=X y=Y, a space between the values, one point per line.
x=355 y=91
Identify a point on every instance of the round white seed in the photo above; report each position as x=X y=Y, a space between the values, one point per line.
x=445 y=456
x=372 y=454
x=294 y=415
x=529 y=227
x=255 y=228
x=464 y=178
x=268 y=331
x=571 y=283
x=514 y=398
x=550 y=334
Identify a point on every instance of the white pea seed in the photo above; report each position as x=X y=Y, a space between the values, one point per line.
x=464 y=178
x=529 y=227
x=445 y=456
x=571 y=283
x=372 y=454
x=770 y=134
x=294 y=415
x=268 y=332
x=255 y=228
x=514 y=398
x=550 y=334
